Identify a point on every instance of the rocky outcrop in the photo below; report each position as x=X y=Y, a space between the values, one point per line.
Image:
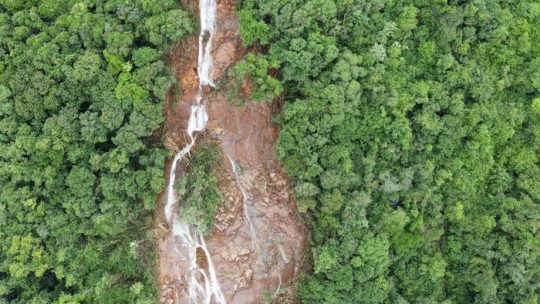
x=257 y=240
x=262 y=259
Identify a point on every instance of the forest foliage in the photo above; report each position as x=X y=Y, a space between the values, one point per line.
x=412 y=131
x=82 y=88
x=198 y=189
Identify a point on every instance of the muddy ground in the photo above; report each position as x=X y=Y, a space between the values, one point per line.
x=250 y=267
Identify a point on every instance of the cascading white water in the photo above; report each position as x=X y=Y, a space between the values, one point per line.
x=198 y=117
x=246 y=204
x=278 y=289
x=203 y=285
x=208 y=26
x=282 y=252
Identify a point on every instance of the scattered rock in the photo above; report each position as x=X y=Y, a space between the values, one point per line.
x=247 y=263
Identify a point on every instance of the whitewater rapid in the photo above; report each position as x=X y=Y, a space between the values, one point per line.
x=203 y=285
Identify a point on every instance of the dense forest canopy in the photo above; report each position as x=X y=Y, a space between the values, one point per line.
x=82 y=88
x=412 y=131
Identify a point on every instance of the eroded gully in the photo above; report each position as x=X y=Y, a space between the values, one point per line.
x=256 y=243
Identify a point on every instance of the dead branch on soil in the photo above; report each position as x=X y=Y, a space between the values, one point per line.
x=287 y=295
x=171 y=144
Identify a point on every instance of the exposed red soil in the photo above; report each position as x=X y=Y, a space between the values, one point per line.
x=247 y=134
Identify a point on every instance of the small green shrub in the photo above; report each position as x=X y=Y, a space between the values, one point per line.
x=253 y=71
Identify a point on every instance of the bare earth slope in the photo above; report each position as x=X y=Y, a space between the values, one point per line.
x=257 y=240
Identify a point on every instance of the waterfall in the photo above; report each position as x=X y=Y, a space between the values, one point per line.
x=278 y=289
x=246 y=205
x=282 y=252
x=203 y=285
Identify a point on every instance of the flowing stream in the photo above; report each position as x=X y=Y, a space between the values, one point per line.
x=246 y=205
x=201 y=280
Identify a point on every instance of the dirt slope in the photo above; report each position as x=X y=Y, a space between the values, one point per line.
x=252 y=257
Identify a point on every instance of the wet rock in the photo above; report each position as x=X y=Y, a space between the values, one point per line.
x=251 y=257
x=224 y=57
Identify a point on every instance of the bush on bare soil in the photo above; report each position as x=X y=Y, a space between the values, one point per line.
x=198 y=191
